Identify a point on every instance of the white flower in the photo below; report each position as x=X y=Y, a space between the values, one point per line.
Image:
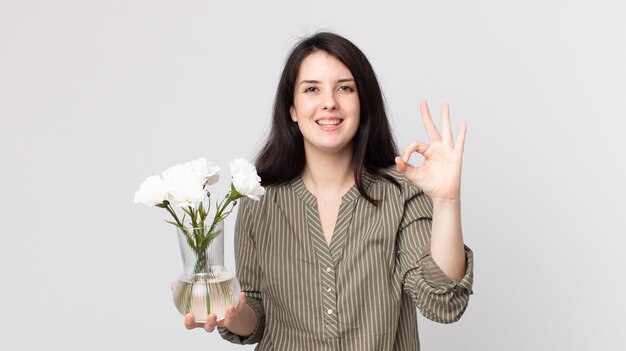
x=201 y=169
x=186 y=192
x=151 y=192
x=176 y=172
x=205 y=170
x=245 y=179
x=184 y=183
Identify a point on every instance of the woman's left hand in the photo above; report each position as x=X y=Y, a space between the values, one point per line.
x=439 y=176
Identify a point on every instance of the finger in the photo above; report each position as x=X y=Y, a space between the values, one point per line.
x=446 y=128
x=190 y=323
x=415 y=146
x=460 y=139
x=431 y=129
x=230 y=313
x=211 y=321
x=400 y=164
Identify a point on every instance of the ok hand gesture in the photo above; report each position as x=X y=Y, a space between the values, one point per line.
x=439 y=176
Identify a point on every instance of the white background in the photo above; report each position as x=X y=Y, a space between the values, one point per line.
x=97 y=95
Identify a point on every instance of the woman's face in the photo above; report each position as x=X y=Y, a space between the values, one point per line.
x=326 y=104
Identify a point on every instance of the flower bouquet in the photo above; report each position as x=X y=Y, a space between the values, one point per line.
x=206 y=286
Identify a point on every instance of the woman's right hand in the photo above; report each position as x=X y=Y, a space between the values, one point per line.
x=240 y=320
x=212 y=322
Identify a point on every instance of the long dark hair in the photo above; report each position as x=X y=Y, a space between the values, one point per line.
x=282 y=158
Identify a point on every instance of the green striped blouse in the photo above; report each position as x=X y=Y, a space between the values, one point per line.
x=358 y=293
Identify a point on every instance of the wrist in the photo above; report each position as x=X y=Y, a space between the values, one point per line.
x=446 y=202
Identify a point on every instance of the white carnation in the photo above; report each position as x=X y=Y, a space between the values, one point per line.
x=185 y=193
x=205 y=170
x=245 y=179
x=184 y=183
x=151 y=192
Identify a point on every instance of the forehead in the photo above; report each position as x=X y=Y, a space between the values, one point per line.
x=320 y=65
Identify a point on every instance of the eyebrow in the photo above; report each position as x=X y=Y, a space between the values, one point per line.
x=308 y=81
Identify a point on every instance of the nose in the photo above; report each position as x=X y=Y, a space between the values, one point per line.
x=329 y=103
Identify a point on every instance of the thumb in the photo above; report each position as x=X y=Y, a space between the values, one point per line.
x=242 y=301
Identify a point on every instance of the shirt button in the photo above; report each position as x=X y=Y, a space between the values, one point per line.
x=330 y=311
x=328 y=269
x=328 y=289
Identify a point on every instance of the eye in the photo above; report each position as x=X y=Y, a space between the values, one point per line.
x=346 y=88
x=310 y=89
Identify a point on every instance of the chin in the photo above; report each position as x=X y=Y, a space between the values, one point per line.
x=333 y=148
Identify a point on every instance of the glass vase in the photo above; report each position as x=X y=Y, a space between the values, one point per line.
x=205 y=286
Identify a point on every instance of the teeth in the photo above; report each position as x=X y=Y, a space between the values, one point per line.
x=328 y=122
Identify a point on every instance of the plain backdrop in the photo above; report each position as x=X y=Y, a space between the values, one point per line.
x=97 y=95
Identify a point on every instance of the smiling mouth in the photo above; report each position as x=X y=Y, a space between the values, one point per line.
x=329 y=122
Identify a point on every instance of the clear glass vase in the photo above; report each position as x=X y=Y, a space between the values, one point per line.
x=206 y=286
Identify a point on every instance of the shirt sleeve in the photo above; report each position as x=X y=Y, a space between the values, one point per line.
x=248 y=273
x=438 y=297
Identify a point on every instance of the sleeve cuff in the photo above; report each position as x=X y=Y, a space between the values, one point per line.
x=439 y=280
x=257 y=334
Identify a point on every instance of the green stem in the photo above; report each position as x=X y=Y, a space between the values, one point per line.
x=201 y=265
x=204 y=240
x=220 y=209
x=171 y=211
x=190 y=295
x=207 y=297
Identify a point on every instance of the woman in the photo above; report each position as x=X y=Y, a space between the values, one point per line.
x=349 y=238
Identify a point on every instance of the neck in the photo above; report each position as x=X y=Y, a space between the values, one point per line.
x=328 y=174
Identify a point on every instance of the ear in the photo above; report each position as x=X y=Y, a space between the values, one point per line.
x=292 y=111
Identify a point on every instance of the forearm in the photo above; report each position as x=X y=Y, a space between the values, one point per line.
x=446 y=244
